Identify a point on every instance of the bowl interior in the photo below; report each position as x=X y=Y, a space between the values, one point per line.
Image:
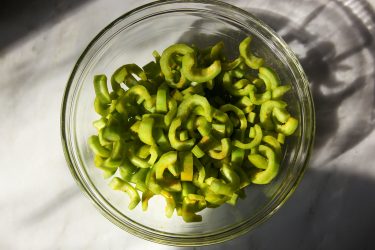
x=132 y=39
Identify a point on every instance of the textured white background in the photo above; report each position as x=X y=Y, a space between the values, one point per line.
x=41 y=207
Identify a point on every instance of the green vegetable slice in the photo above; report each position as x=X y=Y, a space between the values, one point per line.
x=267 y=175
x=118 y=184
x=165 y=64
x=195 y=74
x=166 y=161
x=250 y=59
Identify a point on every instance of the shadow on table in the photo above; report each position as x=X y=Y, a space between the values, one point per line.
x=21 y=18
x=330 y=73
x=331 y=209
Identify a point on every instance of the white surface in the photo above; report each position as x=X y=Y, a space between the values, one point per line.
x=41 y=207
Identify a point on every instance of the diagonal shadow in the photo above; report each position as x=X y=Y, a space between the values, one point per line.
x=20 y=18
x=322 y=64
x=327 y=212
x=330 y=209
x=327 y=68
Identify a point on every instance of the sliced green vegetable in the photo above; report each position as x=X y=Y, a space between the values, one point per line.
x=195 y=74
x=186 y=160
x=280 y=91
x=267 y=175
x=165 y=64
x=289 y=127
x=98 y=149
x=166 y=161
x=225 y=149
x=146 y=128
x=250 y=59
x=255 y=142
x=191 y=103
x=191 y=126
x=101 y=89
x=266 y=110
x=175 y=142
x=146 y=196
x=161 y=99
x=269 y=77
x=118 y=184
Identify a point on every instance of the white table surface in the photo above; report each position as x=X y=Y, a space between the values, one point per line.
x=41 y=207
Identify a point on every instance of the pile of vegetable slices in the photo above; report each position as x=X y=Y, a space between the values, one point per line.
x=191 y=126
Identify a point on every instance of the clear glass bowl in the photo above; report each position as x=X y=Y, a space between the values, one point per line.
x=131 y=39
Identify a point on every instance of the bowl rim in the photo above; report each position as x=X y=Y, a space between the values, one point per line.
x=166 y=238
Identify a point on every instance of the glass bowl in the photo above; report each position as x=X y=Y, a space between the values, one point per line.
x=132 y=39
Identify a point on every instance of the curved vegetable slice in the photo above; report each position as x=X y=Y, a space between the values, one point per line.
x=224 y=152
x=171 y=204
x=192 y=204
x=195 y=74
x=255 y=142
x=167 y=160
x=231 y=87
x=165 y=64
x=146 y=128
x=251 y=60
x=239 y=113
x=289 y=127
x=269 y=76
x=133 y=97
x=101 y=89
x=98 y=149
x=124 y=74
x=266 y=110
x=220 y=187
x=176 y=143
x=146 y=196
x=191 y=103
x=118 y=184
x=267 y=175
